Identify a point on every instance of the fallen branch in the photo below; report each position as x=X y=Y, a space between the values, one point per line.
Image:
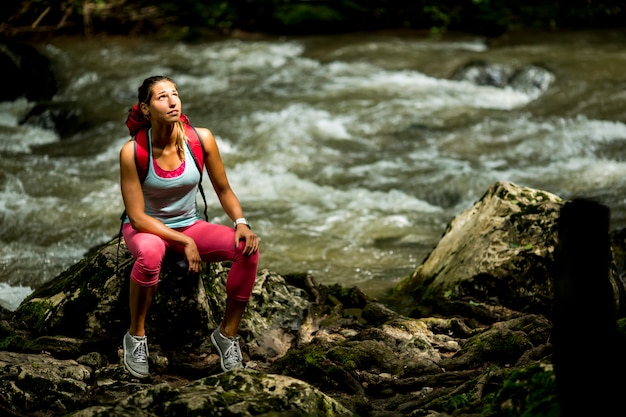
x=39 y=19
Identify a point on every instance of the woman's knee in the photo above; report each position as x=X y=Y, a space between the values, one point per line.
x=242 y=276
x=151 y=257
x=147 y=267
x=240 y=257
x=144 y=279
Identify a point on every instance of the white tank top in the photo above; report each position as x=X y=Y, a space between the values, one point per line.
x=172 y=200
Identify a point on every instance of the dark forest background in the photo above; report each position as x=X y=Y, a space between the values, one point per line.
x=198 y=19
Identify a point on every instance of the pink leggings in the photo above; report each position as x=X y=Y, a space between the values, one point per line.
x=215 y=243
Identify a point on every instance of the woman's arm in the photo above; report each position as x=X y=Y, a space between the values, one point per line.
x=228 y=200
x=217 y=174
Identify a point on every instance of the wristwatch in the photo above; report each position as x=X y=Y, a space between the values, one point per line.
x=242 y=220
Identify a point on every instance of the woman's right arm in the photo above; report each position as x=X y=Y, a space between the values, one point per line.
x=131 y=189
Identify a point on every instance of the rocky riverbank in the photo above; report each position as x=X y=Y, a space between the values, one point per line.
x=470 y=333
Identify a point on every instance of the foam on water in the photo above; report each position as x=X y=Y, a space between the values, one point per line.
x=16 y=138
x=11 y=297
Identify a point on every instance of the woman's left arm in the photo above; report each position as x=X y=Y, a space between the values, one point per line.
x=227 y=197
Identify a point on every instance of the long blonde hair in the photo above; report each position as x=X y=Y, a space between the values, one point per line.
x=181 y=137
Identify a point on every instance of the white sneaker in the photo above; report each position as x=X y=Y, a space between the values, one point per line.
x=229 y=350
x=136 y=355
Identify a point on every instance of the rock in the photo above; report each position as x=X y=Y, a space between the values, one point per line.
x=32 y=78
x=483 y=73
x=533 y=80
x=89 y=302
x=32 y=382
x=496 y=259
x=64 y=118
x=30 y=73
x=237 y=393
x=503 y=344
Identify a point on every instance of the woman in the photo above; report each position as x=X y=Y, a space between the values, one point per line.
x=162 y=215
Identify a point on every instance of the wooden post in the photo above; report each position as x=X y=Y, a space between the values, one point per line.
x=587 y=359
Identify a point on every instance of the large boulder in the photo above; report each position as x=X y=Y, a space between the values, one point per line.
x=89 y=302
x=496 y=260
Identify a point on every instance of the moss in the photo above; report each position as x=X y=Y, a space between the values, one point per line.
x=456 y=402
x=14 y=343
x=505 y=346
x=621 y=331
x=19 y=343
x=80 y=281
x=314 y=359
x=99 y=273
x=309 y=362
x=212 y=278
x=333 y=315
x=621 y=326
x=348 y=357
x=33 y=314
x=351 y=297
x=80 y=278
x=527 y=392
x=363 y=355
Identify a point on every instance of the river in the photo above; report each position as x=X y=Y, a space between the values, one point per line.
x=350 y=153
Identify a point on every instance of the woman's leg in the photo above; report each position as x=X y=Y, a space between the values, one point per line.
x=232 y=317
x=139 y=301
x=148 y=251
x=217 y=243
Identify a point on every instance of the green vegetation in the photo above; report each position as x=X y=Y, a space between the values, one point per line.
x=34 y=314
x=193 y=19
x=524 y=392
x=308 y=364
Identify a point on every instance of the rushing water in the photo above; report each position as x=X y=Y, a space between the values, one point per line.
x=350 y=154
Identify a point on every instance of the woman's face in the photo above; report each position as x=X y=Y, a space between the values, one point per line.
x=164 y=104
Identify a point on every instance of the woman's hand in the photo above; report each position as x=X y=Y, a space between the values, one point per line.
x=193 y=257
x=243 y=232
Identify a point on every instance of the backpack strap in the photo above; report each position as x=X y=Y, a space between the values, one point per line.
x=142 y=150
x=195 y=143
x=197 y=150
x=141 y=154
x=141 y=162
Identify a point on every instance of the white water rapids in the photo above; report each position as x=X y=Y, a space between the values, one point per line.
x=350 y=154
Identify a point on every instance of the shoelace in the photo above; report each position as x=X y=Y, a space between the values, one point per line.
x=232 y=355
x=140 y=352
